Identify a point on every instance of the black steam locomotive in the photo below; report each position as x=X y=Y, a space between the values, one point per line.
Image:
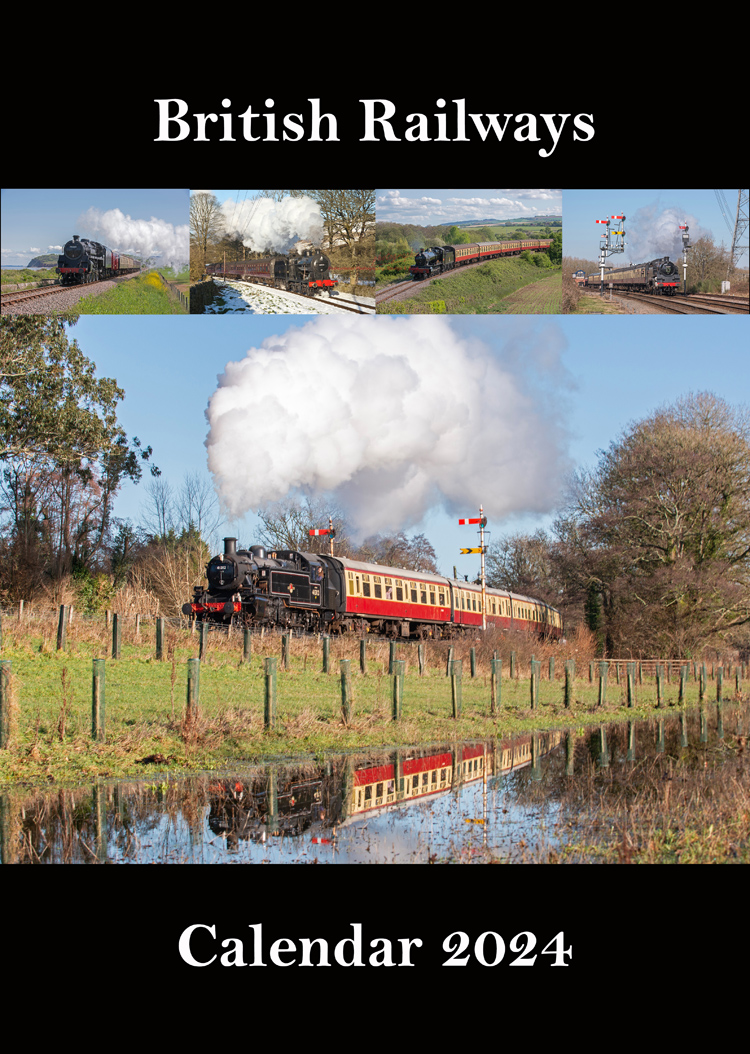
x=83 y=261
x=657 y=276
x=302 y=272
x=433 y=261
x=313 y=591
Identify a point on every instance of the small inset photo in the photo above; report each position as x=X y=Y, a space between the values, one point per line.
x=655 y=252
x=282 y=252
x=469 y=252
x=95 y=252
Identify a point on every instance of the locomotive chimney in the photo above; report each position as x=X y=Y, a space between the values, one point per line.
x=230 y=546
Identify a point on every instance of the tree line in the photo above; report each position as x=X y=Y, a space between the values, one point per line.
x=650 y=548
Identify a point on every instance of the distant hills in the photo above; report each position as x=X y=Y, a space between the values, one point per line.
x=44 y=260
x=543 y=219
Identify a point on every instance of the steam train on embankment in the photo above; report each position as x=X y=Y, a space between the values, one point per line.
x=83 y=261
x=306 y=272
x=314 y=592
x=442 y=258
x=660 y=277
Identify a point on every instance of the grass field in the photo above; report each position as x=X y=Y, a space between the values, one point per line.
x=145 y=295
x=47 y=701
x=499 y=286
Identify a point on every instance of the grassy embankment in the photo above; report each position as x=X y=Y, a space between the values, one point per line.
x=514 y=286
x=147 y=716
x=145 y=295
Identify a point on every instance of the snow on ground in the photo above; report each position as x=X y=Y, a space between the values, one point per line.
x=236 y=297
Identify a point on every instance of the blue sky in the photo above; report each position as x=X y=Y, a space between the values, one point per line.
x=615 y=369
x=427 y=207
x=642 y=209
x=41 y=221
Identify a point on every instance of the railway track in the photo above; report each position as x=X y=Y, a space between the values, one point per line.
x=69 y=293
x=345 y=304
x=689 y=305
x=390 y=294
x=19 y=295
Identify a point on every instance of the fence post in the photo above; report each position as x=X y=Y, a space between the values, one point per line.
x=193 y=684
x=247 y=646
x=456 y=678
x=534 y=684
x=285 y=650
x=5 y=703
x=116 y=636
x=568 y=689
x=603 y=674
x=62 y=628
x=399 y=665
x=160 y=639
x=363 y=657
x=203 y=642
x=269 y=715
x=346 y=690
x=631 y=684
x=326 y=653
x=97 y=701
x=496 y=666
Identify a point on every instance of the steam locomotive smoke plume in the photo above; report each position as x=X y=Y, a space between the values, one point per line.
x=653 y=232
x=153 y=238
x=265 y=225
x=393 y=418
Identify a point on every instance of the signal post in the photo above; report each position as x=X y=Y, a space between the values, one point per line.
x=481 y=549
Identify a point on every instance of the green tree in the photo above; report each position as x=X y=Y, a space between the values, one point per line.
x=65 y=454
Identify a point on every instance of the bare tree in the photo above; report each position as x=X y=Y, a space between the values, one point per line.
x=661 y=529
x=206 y=224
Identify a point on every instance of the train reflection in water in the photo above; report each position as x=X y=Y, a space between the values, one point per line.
x=316 y=803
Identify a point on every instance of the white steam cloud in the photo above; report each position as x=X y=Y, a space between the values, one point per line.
x=153 y=239
x=653 y=232
x=393 y=418
x=265 y=225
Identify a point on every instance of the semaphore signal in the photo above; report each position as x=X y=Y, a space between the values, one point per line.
x=314 y=532
x=481 y=519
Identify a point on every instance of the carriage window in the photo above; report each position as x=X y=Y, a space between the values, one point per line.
x=366 y=585
x=441 y=599
x=413 y=596
x=388 y=589
x=432 y=597
x=368 y=793
x=399 y=593
x=423 y=596
x=351 y=586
